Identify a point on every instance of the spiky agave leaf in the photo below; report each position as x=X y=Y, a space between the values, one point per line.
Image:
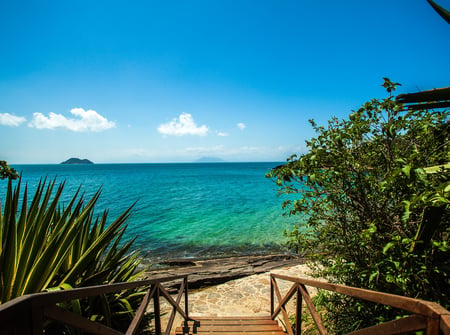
x=45 y=245
x=100 y=244
x=25 y=250
x=9 y=246
x=41 y=248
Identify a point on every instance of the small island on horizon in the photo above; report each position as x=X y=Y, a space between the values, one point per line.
x=207 y=159
x=77 y=161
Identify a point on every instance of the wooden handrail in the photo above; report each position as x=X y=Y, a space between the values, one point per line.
x=427 y=315
x=26 y=314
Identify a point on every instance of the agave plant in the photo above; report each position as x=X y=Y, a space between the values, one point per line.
x=47 y=246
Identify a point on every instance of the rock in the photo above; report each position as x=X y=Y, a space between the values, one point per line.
x=204 y=273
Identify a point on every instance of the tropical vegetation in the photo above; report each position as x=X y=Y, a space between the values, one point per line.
x=7 y=172
x=48 y=245
x=373 y=196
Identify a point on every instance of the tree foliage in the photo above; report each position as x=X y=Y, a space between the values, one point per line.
x=373 y=192
x=7 y=172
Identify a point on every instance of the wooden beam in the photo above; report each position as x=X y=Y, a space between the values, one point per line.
x=172 y=302
x=400 y=326
x=282 y=301
x=157 y=310
x=186 y=295
x=437 y=94
x=50 y=298
x=437 y=98
x=281 y=307
x=312 y=309
x=174 y=309
x=272 y=300
x=427 y=105
x=444 y=323
x=140 y=312
x=433 y=326
x=415 y=306
x=77 y=321
x=298 y=312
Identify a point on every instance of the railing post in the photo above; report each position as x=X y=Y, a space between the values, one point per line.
x=271 y=295
x=37 y=318
x=298 y=312
x=157 y=311
x=186 y=293
x=433 y=326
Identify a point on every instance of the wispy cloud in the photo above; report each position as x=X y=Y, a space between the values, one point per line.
x=183 y=125
x=222 y=134
x=10 y=120
x=206 y=150
x=88 y=120
x=241 y=126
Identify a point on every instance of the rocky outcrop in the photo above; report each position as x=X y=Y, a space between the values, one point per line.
x=204 y=273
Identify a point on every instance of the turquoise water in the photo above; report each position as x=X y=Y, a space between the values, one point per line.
x=182 y=210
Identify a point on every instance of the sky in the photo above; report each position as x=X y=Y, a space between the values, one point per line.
x=174 y=81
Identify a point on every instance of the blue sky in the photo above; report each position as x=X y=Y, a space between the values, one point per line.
x=173 y=81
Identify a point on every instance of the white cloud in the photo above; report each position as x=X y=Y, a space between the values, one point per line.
x=88 y=120
x=219 y=133
x=183 y=125
x=10 y=120
x=241 y=126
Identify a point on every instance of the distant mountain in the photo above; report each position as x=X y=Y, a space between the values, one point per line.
x=209 y=160
x=77 y=161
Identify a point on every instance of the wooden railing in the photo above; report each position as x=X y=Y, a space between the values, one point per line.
x=427 y=316
x=26 y=315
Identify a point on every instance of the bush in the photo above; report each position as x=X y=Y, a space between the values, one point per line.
x=374 y=192
x=7 y=172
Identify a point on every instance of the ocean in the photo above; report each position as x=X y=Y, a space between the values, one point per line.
x=191 y=210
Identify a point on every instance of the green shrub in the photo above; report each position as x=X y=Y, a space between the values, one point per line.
x=374 y=193
x=7 y=172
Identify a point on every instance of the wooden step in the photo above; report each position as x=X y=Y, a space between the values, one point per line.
x=231 y=326
x=219 y=322
x=280 y=332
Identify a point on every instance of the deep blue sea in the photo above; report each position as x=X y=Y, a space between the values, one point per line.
x=198 y=210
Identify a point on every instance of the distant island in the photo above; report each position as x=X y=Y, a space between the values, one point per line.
x=209 y=160
x=74 y=161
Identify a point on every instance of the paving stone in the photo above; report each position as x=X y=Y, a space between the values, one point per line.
x=245 y=296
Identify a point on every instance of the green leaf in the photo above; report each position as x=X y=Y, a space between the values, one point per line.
x=407 y=170
x=373 y=276
x=387 y=247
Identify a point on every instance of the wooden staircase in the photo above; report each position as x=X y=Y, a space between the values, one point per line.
x=231 y=326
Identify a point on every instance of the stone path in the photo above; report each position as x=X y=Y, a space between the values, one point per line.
x=245 y=296
x=248 y=296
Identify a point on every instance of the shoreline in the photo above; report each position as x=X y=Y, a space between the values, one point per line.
x=209 y=272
